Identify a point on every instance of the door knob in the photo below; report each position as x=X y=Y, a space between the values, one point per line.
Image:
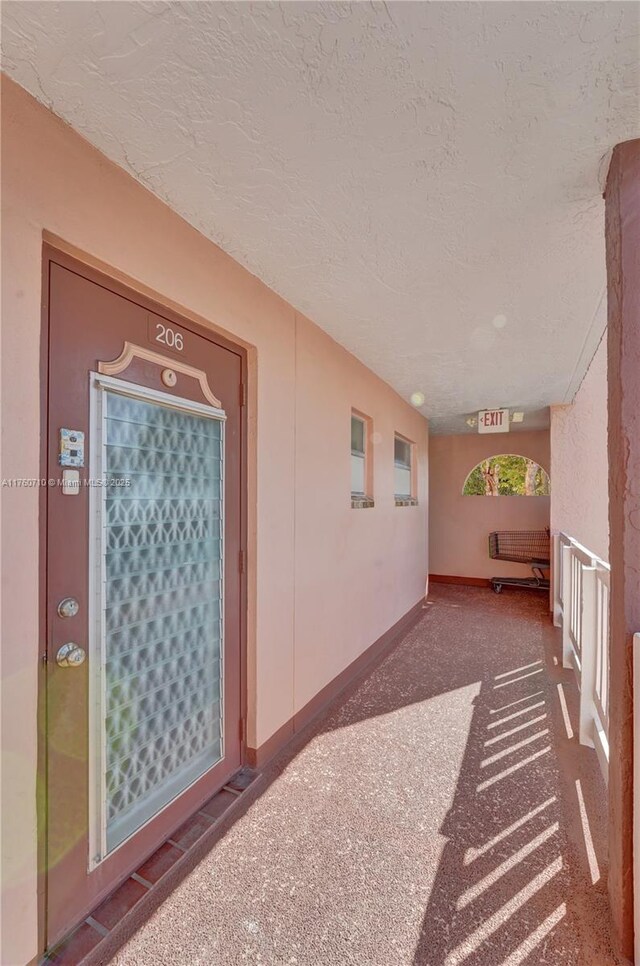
x=70 y=655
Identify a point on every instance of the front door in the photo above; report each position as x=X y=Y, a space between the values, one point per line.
x=143 y=545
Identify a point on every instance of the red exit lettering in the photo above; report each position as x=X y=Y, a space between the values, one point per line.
x=493 y=418
x=493 y=421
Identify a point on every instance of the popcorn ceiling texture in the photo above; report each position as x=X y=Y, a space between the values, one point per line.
x=403 y=173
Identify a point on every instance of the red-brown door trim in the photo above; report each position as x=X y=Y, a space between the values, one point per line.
x=52 y=254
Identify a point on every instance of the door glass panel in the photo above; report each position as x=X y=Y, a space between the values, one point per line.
x=161 y=606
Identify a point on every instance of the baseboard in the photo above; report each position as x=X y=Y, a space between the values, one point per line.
x=465 y=581
x=258 y=757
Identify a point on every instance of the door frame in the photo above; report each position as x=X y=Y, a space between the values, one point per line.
x=110 y=279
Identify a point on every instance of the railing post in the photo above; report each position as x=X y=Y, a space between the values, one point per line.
x=566 y=606
x=588 y=654
x=557 y=569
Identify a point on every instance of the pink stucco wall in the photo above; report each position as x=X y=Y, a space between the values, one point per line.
x=459 y=525
x=579 y=461
x=324 y=580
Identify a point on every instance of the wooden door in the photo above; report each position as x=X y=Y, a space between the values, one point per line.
x=143 y=550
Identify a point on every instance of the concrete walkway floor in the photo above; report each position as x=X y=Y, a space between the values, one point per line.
x=441 y=813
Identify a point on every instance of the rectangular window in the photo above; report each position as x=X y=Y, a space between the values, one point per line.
x=403 y=477
x=361 y=490
x=358 y=455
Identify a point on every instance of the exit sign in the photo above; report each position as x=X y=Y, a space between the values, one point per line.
x=493 y=421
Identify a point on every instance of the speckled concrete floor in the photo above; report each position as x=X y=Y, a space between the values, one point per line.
x=436 y=816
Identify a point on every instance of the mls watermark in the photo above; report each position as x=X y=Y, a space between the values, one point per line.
x=31 y=482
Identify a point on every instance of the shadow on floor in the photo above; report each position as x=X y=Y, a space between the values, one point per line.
x=522 y=877
x=440 y=812
x=510 y=887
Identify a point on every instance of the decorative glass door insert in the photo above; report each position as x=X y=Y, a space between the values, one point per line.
x=156 y=695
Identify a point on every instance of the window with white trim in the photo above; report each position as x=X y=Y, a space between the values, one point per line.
x=361 y=495
x=403 y=475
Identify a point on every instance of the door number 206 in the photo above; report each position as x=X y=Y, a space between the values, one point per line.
x=168 y=337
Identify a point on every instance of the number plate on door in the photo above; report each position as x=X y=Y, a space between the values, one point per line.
x=166 y=336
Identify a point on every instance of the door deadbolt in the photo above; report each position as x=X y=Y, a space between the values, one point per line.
x=68 y=607
x=70 y=655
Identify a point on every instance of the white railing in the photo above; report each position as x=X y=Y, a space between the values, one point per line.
x=581 y=608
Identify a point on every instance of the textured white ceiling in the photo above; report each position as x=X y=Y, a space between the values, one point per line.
x=422 y=179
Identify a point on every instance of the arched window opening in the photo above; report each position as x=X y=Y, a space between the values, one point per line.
x=507 y=475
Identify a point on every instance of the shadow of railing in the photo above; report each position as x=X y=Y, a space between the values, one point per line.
x=512 y=882
x=502 y=891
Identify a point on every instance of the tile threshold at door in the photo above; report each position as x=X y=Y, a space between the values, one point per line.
x=91 y=943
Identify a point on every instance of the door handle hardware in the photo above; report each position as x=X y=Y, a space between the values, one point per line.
x=68 y=607
x=70 y=655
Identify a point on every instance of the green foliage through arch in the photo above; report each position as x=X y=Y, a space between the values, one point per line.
x=507 y=475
